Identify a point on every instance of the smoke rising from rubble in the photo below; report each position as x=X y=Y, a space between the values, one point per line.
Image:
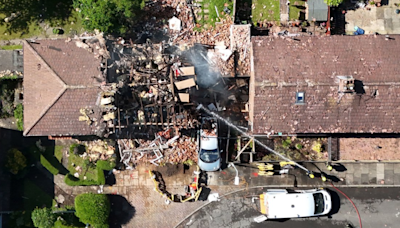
x=206 y=75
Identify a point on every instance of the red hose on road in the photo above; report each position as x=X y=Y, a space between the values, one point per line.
x=359 y=217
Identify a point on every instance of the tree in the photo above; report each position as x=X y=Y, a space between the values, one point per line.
x=333 y=2
x=16 y=161
x=111 y=16
x=43 y=218
x=93 y=209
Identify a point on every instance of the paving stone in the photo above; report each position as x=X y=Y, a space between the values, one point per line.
x=396 y=168
x=396 y=179
x=349 y=179
x=389 y=177
x=364 y=168
x=364 y=179
x=389 y=166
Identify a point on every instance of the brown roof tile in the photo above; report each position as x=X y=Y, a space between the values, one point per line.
x=58 y=81
x=282 y=67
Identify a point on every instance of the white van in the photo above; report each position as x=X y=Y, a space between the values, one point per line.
x=282 y=203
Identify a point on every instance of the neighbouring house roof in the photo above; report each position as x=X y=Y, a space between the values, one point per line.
x=283 y=66
x=11 y=60
x=317 y=9
x=59 y=80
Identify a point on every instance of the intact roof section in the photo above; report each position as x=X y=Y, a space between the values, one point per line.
x=63 y=117
x=321 y=59
x=74 y=65
x=283 y=67
x=60 y=78
x=42 y=87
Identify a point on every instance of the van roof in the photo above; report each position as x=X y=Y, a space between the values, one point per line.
x=289 y=205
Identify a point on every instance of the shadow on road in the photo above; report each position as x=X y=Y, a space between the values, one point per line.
x=335 y=203
x=121 y=211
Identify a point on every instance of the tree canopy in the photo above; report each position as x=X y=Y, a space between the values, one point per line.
x=93 y=209
x=111 y=16
x=333 y=2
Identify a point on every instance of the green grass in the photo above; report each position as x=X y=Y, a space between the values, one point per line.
x=294 y=12
x=32 y=30
x=53 y=170
x=212 y=14
x=269 y=13
x=73 y=23
x=58 y=152
x=19 y=116
x=11 y=47
x=87 y=170
x=34 y=196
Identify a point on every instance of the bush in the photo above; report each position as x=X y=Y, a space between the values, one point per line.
x=286 y=143
x=77 y=149
x=93 y=209
x=15 y=161
x=299 y=146
x=43 y=218
x=19 y=116
x=48 y=165
x=317 y=146
x=105 y=165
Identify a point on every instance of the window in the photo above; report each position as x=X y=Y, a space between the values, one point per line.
x=300 y=97
x=319 y=203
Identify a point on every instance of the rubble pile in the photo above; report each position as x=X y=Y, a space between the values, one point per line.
x=161 y=150
x=240 y=42
x=98 y=150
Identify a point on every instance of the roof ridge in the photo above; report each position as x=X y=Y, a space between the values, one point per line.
x=44 y=111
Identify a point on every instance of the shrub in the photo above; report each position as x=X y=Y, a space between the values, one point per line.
x=317 y=146
x=299 y=146
x=286 y=143
x=105 y=165
x=77 y=149
x=188 y=162
x=43 y=218
x=15 y=161
x=93 y=209
x=19 y=116
x=48 y=165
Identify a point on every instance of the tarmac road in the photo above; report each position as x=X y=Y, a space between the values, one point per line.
x=378 y=207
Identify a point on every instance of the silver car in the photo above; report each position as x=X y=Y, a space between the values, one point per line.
x=209 y=154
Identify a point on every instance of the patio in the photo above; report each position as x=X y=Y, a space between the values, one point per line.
x=382 y=20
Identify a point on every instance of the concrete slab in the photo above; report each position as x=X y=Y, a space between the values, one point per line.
x=364 y=179
x=349 y=179
x=389 y=177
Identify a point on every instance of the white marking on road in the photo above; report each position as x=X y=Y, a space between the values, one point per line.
x=397 y=214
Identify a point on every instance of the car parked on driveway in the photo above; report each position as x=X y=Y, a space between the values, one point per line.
x=209 y=154
x=282 y=203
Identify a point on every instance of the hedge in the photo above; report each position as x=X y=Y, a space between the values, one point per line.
x=71 y=180
x=93 y=209
x=48 y=165
x=105 y=165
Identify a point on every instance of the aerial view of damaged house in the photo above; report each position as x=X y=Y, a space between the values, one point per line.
x=327 y=84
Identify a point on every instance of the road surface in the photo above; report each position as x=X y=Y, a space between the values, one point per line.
x=378 y=207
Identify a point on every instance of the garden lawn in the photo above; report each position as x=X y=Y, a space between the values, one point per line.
x=212 y=14
x=11 y=47
x=269 y=13
x=296 y=6
x=33 y=30
x=89 y=172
